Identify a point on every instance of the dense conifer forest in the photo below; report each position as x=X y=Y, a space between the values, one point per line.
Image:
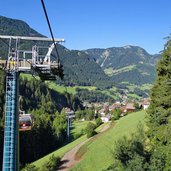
x=50 y=120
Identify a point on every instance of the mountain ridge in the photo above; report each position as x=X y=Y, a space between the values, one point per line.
x=18 y=26
x=139 y=63
x=78 y=68
x=100 y=67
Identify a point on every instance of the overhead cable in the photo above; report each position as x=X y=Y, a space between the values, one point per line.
x=47 y=19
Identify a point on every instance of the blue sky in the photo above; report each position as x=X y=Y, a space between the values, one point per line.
x=98 y=23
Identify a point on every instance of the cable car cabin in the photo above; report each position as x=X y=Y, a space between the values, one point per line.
x=25 y=122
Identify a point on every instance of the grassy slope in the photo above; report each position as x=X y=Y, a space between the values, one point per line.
x=111 y=71
x=99 y=154
x=133 y=96
x=72 y=90
x=78 y=126
x=146 y=86
x=60 y=152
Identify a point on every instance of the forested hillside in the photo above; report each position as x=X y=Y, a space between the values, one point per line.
x=79 y=69
x=92 y=96
x=126 y=64
x=13 y=27
x=102 y=68
x=49 y=131
x=35 y=94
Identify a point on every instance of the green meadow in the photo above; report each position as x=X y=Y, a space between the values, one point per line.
x=97 y=153
x=76 y=128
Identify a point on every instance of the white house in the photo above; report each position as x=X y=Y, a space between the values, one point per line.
x=106 y=118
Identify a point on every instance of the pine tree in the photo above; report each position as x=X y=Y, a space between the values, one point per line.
x=159 y=114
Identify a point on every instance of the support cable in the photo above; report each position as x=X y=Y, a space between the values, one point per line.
x=60 y=66
x=47 y=19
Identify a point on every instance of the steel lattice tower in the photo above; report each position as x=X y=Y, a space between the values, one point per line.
x=11 y=151
x=13 y=66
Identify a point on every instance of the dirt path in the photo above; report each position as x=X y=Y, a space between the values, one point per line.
x=68 y=160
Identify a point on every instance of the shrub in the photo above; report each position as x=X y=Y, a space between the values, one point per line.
x=52 y=164
x=130 y=153
x=90 y=130
x=98 y=121
x=116 y=113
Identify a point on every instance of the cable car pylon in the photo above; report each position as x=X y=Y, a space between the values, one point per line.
x=17 y=63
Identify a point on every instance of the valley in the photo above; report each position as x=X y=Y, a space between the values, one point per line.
x=104 y=95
